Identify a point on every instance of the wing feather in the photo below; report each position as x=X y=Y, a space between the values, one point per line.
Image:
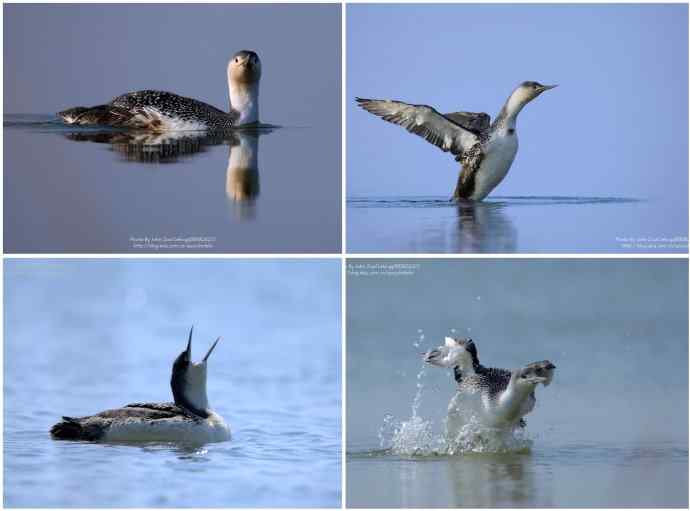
x=424 y=121
x=476 y=122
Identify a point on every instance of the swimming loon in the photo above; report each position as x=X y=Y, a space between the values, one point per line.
x=188 y=420
x=486 y=151
x=155 y=110
x=505 y=396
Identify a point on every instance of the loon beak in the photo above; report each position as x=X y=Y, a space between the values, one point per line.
x=189 y=344
x=547 y=87
x=210 y=350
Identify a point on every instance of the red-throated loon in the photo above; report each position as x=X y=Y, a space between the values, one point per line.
x=505 y=396
x=188 y=420
x=486 y=151
x=155 y=110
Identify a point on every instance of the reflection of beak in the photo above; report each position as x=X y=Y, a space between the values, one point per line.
x=189 y=344
x=210 y=350
x=547 y=87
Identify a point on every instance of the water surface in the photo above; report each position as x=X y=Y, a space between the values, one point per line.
x=84 y=336
x=511 y=224
x=92 y=190
x=610 y=430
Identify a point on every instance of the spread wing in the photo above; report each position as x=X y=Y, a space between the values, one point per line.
x=424 y=121
x=476 y=122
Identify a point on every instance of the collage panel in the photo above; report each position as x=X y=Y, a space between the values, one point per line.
x=111 y=400
x=518 y=383
x=601 y=93
x=235 y=267
x=142 y=130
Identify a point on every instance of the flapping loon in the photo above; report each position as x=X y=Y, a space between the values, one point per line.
x=505 y=396
x=485 y=150
x=188 y=420
x=155 y=110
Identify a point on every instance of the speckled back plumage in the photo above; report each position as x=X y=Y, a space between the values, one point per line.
x=486 y=379
x=146 y=105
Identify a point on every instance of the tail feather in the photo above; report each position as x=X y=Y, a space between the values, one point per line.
x=105 y=115
x=76 y=429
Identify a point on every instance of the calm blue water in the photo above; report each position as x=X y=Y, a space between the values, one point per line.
x=610 y=431
x=513 y=224
x=84 y=336
x=91 y=190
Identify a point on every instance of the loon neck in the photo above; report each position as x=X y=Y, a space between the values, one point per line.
x=244 y=101
x=468 y=367
x=507 y=117
x=190 y=396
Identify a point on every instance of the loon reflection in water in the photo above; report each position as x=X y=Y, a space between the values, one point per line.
x=242 y=177
x=484 y=227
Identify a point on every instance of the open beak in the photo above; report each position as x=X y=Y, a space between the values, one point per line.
x=189 y=344
x=210 y=350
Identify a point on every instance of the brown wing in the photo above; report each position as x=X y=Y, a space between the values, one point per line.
x=424 y=121
x=477 y=122
x=470 y=160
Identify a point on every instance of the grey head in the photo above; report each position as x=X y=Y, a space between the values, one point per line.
x=188 y=380
x=244 y=67
x=523 y=94
x=526 y=92
x=535 y=373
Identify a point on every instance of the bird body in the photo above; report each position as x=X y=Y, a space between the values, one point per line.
x=188 y=420
x=158 y=111
x=144 y=422
x=502 y=397
x=485 y=150
x=500 y=150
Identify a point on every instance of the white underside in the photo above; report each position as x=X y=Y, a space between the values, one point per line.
x=168 y=123
x=504 y=412
x=500 y=153
x=177 y=429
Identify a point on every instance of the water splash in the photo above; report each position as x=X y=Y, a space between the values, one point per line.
x=461 y=430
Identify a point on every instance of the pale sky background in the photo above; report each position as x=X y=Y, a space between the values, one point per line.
x=59 y=56
x=616 y=126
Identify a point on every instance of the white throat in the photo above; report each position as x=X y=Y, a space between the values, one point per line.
x=465 y=364
x=244 y=99
x=516 y=102
x=195 y=386
x=512 y=400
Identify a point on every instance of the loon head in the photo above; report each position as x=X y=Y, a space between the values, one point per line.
x=533 y=374
x=188 y=380
x=244 y=72
x=454 y=353
x=524 y=93
x=466 y=349
x=244 y=67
